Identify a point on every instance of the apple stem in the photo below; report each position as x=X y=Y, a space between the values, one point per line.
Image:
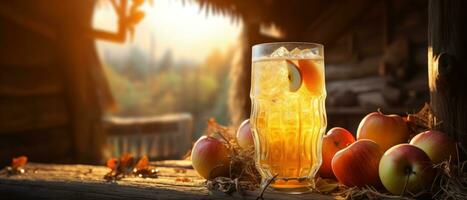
x=379 y=111
x=408 y=172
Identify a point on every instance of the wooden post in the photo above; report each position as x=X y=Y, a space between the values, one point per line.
x=447 y=65
x=239 y=96
x=86 y=88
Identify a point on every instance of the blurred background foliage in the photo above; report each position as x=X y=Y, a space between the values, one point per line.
x=146 y=87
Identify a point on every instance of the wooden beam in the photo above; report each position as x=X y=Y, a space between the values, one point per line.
x=86 y=90
x=33 y=81
x=57 y=148
x=447 y=68
x=28 y=22
x=32 y=113
x=338 y=18
x=365 y=68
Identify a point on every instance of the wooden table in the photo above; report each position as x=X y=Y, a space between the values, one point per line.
x=53 y=181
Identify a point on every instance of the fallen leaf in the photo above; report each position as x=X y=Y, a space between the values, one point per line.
x=126 y=162
x=112 y=163
x=143 y=163
x=326 y=185
x=19 y=162
x=180 y=170
x=183 y=179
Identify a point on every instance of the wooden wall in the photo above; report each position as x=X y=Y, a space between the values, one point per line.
x=379 y=61
x=34 y=119
x=49 y=82
x=375 y=54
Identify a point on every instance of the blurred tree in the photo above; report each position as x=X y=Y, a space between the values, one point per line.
x=175 y=86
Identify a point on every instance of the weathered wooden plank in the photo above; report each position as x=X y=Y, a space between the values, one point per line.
x=369 y=84
x=34 y=81
x=31 y=113
x=331 y=26
x=40 y=145
x=86 y=182
x=447 y=67
x=20 y=42
x=365 y=68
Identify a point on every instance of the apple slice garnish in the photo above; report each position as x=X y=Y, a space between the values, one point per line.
x=312 y=77
x=295 y=76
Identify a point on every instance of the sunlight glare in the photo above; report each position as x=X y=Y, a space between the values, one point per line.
x=184 y=29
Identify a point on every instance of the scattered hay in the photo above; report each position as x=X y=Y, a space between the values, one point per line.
x=450 y=181
x=243 y=173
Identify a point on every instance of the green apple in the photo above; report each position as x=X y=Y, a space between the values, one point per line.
x=405 y=167
x=437 y=145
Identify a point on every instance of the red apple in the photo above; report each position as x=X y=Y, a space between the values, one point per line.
x=335 y=139
x=385 y=130
x=357 y=164
x=210 y=157
x=437 y=145
x=244 y=135
x=405 y=164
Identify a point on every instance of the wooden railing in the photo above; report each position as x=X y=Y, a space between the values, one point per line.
x=161 y=137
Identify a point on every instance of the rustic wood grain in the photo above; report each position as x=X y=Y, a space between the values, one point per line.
x=32 y=113
x=32 y=81
x=47 y=145
x=447 y=67
x=365 y=68
x=53 y=181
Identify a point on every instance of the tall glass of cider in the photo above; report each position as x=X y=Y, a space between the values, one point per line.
x=288 y=115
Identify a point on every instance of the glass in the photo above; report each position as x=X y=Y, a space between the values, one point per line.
x=288 y=115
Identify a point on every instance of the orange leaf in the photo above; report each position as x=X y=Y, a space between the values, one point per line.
x=143 y=163
x=212 y=122
x=112 y=163
x=183 y=179
x=138 y=2
x=136 y=17
x=126 y=161
x=19 y=162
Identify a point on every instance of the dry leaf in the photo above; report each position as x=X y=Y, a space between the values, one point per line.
x=183 y=179
x=143 y=163
x=326 y=185
x=180 y=170
x=17 y=165
x=126 y=162
x=422 y=120
x=125 y=166
x=112 y=163
x=19 y=162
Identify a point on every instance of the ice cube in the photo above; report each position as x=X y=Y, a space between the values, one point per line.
x=280 y=52
x=295 y=53
x=310 y=53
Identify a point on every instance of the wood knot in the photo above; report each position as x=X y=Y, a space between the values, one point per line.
x=446 y=64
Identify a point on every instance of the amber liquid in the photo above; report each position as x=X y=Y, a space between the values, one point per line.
x=288 y=126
